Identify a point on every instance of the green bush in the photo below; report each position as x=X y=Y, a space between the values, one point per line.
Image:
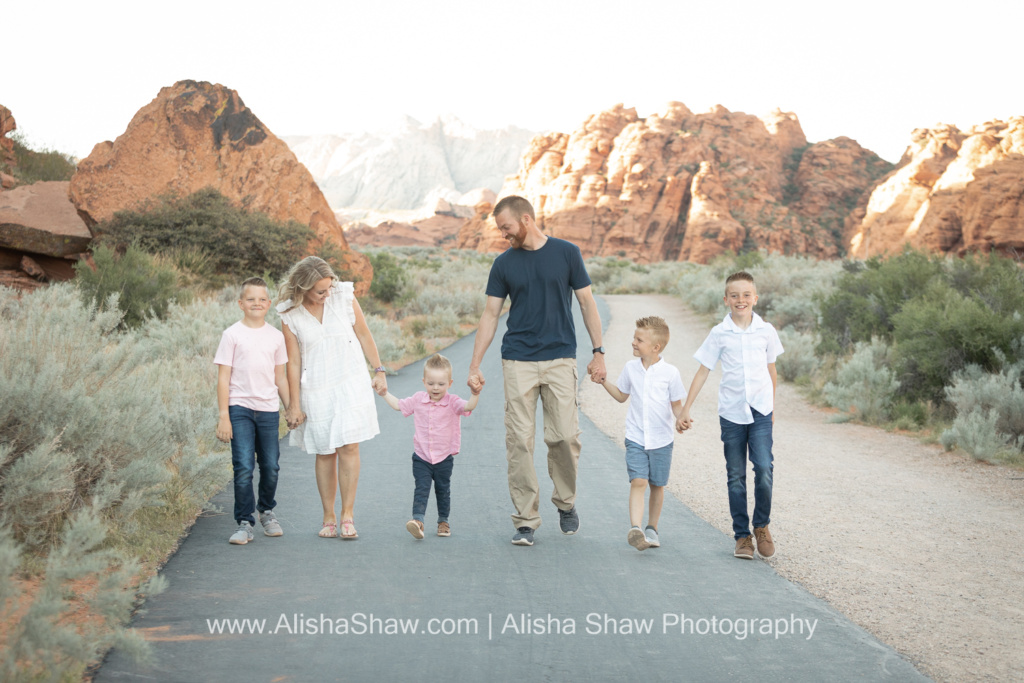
x=139 y=286
x=388 y=277
x=990 y=412
x=31 y=166
x=798 y=361
x=239 y=243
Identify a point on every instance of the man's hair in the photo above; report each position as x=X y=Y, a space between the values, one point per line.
x=658 y=328
x=438 y=362
x=253 y=282
x=517 y=205
x=740 y=275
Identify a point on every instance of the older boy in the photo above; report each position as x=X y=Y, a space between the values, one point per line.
x=251 y=362
x=747 y=347
x=658 y=395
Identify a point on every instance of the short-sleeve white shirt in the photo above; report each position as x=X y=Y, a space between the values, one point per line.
x=745 y=355
x=650 y=421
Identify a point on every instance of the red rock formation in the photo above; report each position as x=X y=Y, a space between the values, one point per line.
x=7 y=125
x=954 y=192
x=687 y=186
x=480 y=233
x=196 y=135
x=39 y=218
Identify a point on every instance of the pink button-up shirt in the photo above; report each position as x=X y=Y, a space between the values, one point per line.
x=438 y=432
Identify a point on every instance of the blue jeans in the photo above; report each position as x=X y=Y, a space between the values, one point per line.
x=441 y=475
x=253 y=438
x=738 y=440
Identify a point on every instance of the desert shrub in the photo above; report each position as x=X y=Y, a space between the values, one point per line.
x=141 y=287
x=91 y=416
x=618 y=276
x=910 y=414
x=943 y=331
x=799 y=361
x=442 y=322
x=239 y=243
x=868 y=296
x=990 y=412
x=33 y=166
x=388 y=337
x=864 y=385
x=388 y=277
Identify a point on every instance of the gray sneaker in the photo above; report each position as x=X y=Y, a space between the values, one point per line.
x=637 y=539
x=271 y=527
x=524 y=536
x=651 y=534
x=568 y=521
x=243 y=535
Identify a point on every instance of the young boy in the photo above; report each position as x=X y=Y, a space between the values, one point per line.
x=747 y=347
x=251 y=362
x=436 y=416
x=658 y=395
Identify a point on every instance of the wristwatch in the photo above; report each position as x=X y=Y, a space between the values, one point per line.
x=599 y=349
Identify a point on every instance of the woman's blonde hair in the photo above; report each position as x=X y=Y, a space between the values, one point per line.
x=301 y=278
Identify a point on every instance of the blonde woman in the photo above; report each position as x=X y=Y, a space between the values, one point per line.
x=332 y=407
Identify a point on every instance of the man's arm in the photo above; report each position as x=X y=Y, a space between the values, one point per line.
x=592 y=321
x=484 y=336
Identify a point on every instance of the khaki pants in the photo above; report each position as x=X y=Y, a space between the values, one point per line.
x=555 y=381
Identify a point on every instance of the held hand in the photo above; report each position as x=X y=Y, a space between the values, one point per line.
x=380 y=384
x=476 y=381
x=294 y=417
x=682 y=425
x=596 y=369
x=224 y=432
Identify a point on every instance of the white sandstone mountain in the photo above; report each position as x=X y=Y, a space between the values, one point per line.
x=410 y=166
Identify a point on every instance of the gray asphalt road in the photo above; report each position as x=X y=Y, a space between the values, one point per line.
x=474 y=607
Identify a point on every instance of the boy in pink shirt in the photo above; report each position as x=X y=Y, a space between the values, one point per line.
x=251 y=360
x=436 y=415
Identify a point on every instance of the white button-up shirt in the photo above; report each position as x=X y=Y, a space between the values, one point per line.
x=745 y=355
x=650 y=420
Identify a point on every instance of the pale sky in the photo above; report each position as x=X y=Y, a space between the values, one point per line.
x=74 y=73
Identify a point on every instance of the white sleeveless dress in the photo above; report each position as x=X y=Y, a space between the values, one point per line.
x=335 y=390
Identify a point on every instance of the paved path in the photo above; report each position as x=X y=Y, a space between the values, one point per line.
x=571 y=608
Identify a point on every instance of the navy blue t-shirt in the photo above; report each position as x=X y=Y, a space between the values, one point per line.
x=540 y=284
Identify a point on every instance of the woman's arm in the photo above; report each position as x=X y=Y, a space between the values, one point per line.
x=362 y=330
x=293 y=415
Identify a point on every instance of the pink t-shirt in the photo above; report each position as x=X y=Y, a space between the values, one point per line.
x=438 y=430
x=252 y=354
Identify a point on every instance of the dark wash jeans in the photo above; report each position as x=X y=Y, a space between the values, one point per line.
x=738 y=440
x=253 y=439
x=441 y=475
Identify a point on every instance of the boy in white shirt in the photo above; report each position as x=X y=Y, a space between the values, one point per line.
x=658 y=394
x=747 y=347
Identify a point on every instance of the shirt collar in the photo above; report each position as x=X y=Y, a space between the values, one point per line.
x=443 y=402
x=756 y=323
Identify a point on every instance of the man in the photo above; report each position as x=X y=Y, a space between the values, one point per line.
x=538 y=358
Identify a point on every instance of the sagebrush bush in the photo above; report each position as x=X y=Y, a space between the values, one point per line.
x=799 y=361
x=389 y=278
x=239 y=243
x=33 y=166
x=141 y=287
x=990 y=411
x=388 y=337
x=864 y=385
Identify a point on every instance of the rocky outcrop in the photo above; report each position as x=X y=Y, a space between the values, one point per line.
x=41 y=235
x=196 y=135
x=685 y=186
x=953 y=191
x=7 y=125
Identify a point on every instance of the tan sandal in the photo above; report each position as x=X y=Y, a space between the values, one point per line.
x=348 y=530
x=328 y=531
x=415 y=527
x=443 y=529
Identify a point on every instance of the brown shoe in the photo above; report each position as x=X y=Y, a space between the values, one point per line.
x=765 y=544
x=443 y=529
x=744 y=548
x=415 y=527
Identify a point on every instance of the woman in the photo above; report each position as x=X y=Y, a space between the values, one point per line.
x=332 y=406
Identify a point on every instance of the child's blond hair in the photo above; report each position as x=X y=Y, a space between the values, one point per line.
x=438 y=362
x=741 y=275
x=658 y=328
x=252 y=282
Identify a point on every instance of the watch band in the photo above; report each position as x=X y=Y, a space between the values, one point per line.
x=599 y=349
x=380 y=369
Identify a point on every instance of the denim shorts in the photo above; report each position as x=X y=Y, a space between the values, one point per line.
x=652 y=465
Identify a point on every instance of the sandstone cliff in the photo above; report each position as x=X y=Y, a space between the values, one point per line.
x=196 y=135
x=953 y=191
x=685 y=186
x=7 y=125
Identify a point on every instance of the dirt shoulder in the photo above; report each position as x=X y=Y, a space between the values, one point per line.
x=916 y=545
